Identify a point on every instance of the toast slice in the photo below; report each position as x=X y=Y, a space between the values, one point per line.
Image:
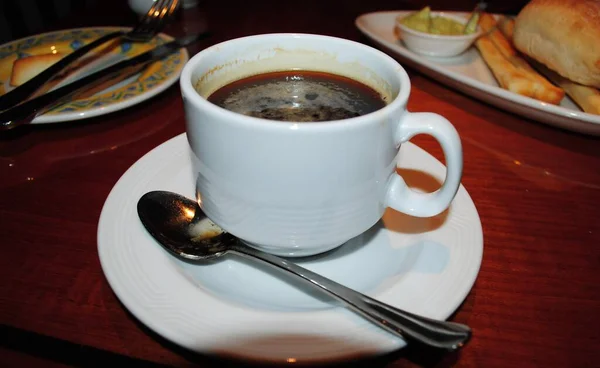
x=28 y=67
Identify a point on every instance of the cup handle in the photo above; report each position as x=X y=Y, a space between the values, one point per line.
x=399 y=196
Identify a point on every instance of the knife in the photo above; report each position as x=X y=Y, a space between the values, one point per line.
x=37 y=83
x=25 y=112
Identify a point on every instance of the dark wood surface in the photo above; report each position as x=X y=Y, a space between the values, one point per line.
x=536 y=301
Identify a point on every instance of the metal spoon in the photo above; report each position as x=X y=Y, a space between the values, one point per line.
x=183 y=229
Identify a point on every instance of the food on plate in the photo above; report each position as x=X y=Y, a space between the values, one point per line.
x=564 y=36
x=506 y=25
x=509 y=68
x=487 y=22
x=28 y=67
x=556 y=56
x=424 y=21
x=587 y=98
x=511 y=78
x=419 y=21
x=436 y=34
x=471 y=26
x=505 y=46
x=445 y=26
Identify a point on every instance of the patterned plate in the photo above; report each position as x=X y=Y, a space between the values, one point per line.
x=154 y=79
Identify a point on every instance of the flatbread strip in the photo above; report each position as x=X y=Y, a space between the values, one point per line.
x=504 y=44
x=587 y=98
x=507 y=27
x=507 y=74
x=511 y=71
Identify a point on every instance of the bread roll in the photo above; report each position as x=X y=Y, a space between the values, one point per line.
x=564 y=35
x=28 y=67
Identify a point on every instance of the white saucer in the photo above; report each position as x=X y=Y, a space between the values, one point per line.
x=231 y=307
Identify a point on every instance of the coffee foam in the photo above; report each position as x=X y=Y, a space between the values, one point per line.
x=259 y=61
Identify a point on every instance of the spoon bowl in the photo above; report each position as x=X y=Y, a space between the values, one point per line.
x=181 y=227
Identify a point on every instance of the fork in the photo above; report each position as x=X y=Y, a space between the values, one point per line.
x=148 y=26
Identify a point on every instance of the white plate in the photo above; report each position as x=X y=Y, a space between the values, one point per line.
x=154 y=79
x=231 y=307
x=469 y=73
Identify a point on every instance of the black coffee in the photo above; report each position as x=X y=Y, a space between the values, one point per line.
x=298 y=96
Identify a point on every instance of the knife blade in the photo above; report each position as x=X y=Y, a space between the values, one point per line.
x=25 y=112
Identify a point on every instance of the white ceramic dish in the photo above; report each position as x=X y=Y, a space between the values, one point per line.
x=234 y=308
x=438 y=45
x=468 y=73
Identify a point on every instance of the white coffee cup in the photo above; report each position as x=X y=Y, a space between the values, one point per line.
x=298 y=189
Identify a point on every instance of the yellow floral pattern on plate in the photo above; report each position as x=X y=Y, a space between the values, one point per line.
x=68 y=40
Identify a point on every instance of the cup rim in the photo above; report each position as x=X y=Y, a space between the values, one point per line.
x=190 y=93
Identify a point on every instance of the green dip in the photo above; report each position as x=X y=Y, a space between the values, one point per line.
x=423 y=21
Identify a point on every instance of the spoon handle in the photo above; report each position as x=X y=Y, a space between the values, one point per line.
x=441 y=334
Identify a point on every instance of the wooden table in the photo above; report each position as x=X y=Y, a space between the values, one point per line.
x=536 y=301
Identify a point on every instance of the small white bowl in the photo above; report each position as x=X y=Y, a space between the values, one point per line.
x=437 y=45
